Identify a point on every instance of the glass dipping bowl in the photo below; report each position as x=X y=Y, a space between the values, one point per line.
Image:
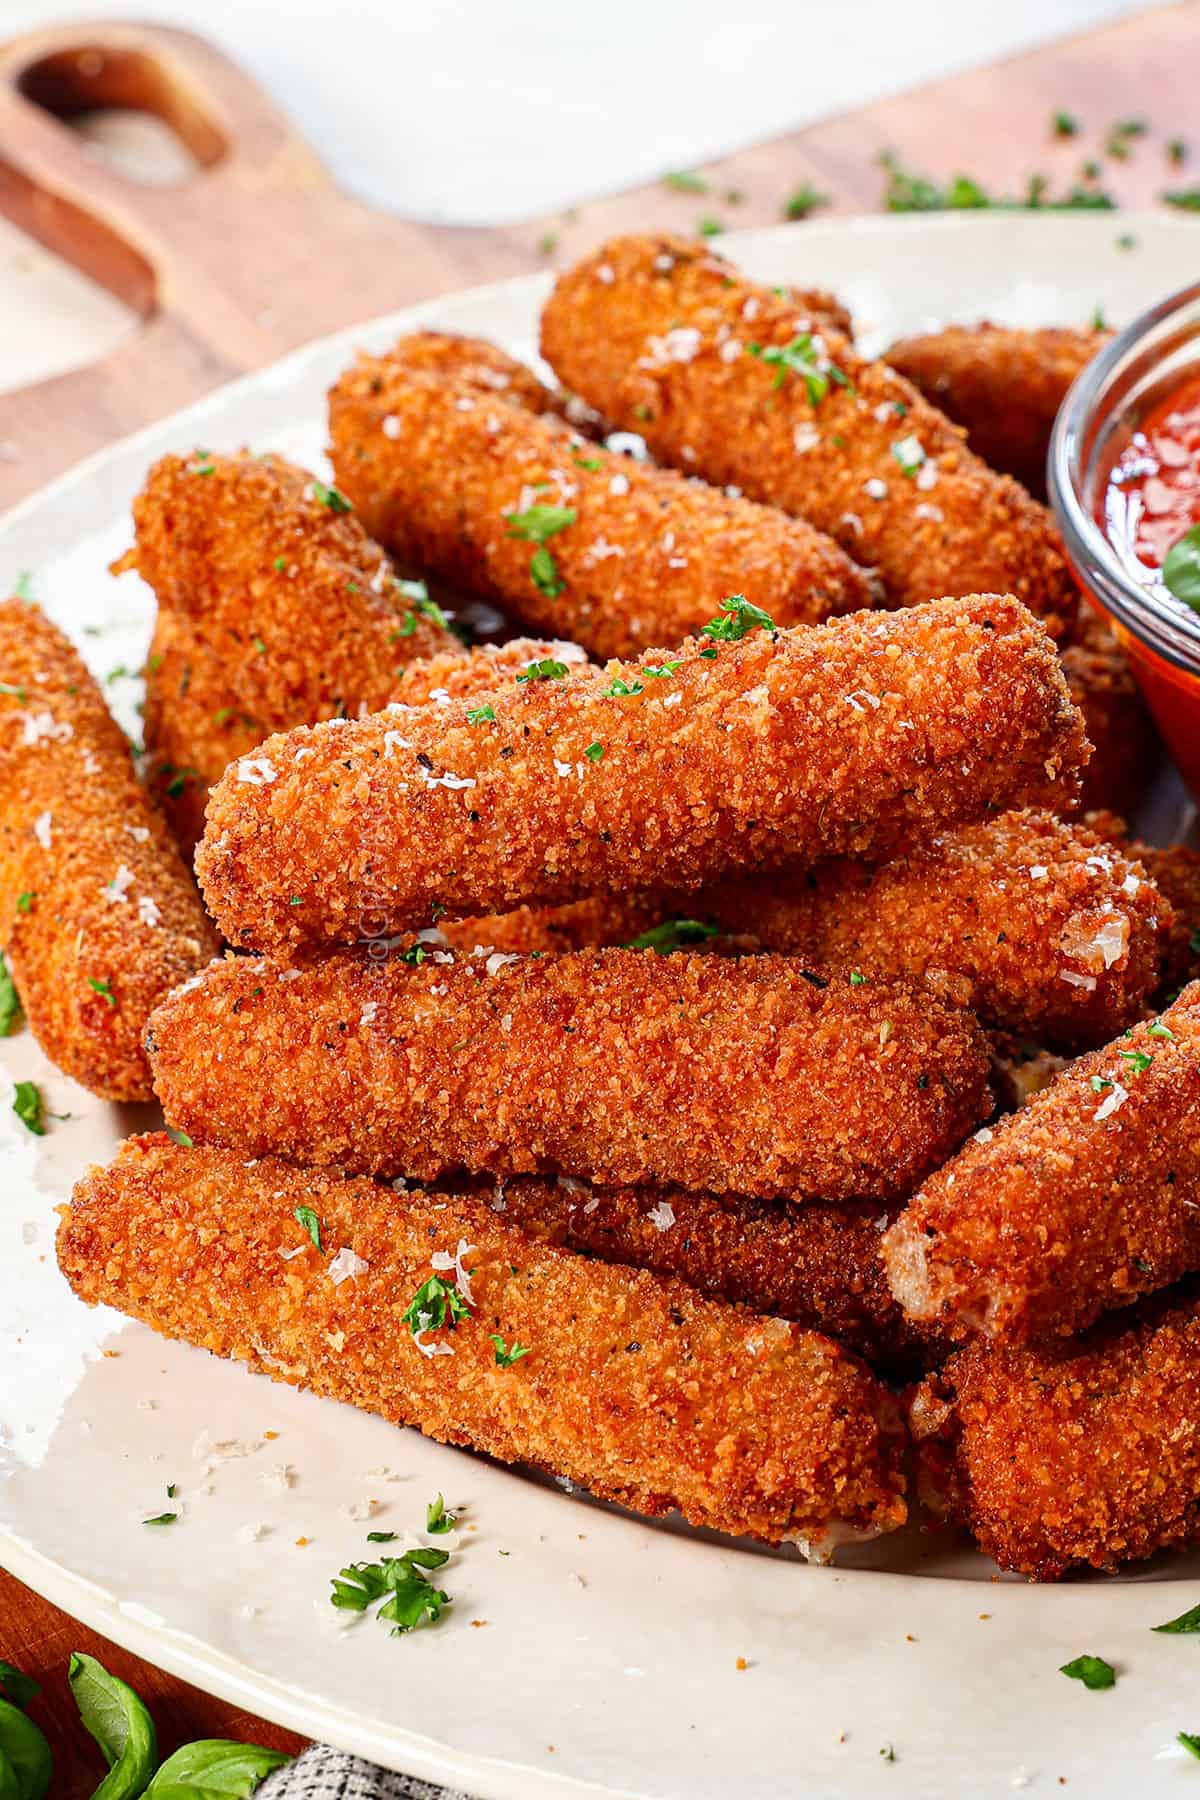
x=1143 y=365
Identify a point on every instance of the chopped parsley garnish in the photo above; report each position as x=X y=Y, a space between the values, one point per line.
x=330 y=497
x=804 y=200
x=539 y=523
x=736 y=619
x=673 y=934
x=437 y=1519
x=660 y=671
x=594 y=752
x=505 y=1358
x=435 y=1303
x=414 y=956
x=906 y=192
x=1177 y=151
x=10 y=1004
x=381 y=1537
x=418 y=595
x=408 y=1596
x=204 y=467
x=161 y=1519
x=543 y=572
x=888 y=1753
x=1185 y=199
x=592 y=464
x=295 y=900
x=172 y=1490
x=618 y=689
x=1099 y=322
x=23 y=585
x=685 y=181
x=280 y=564
x=103 y=988
x=548 y=243
x=1064 y=125
x=1190 y=1741
x=18 y=693
x=709 y=227
x=1159 y=1030
x=180 y=1137
x=545 y=670
x=1139 y=1060
x=1126 y=241
x=259 y=645
x=305 y=1216
x=480 y=715
x=857 y=980
x=25 y=902
x=801 y=357
x=1093 y=1671
x=1099 y=1083
x=1188 y=1621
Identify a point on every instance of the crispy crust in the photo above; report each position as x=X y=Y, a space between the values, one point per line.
x=1175 y=871
x=661 y=348
x=616 y=1065
x=1076 y=1204
x=634 y=1387
x=843 y=739
x=1061 y=1455
x=1039 y=926
x=436 y=471
x=476 y=363
x=1002 y=384
x=110 y=900
x=1126 y=748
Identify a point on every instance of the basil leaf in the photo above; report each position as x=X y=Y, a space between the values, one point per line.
x=14 y=1686
x=8 y=1780
x=1181 y=568
x=214 y=1767
x=120 y=1724
x=1187 y=1621
x=27 y=1752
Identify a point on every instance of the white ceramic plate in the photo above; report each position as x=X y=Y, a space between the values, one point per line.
x=586 y=1652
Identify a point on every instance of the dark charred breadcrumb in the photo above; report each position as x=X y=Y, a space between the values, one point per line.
x=1039 y=926
x=1076 y=1204
x=748 y=1075
x=1062 y=1455
x=98 y=916
x=633 y=1387
x=667 y=339
x=1127 y=751
x=841 y=739
x=1003 y=384
x=632 y=555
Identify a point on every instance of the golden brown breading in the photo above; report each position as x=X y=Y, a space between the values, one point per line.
x=477 y=363
x=1078 y=1203
x=560 y=533
x=840 y=739
x=1040 y=926
x=633 y=1387
x=673 y=343
x=1175 y=871
x=747 y=1075
x=1127 y=751
x=1064 y=1454
x=594 y=923
x=816 y=1264
x=98 y=916
x=1003 y=384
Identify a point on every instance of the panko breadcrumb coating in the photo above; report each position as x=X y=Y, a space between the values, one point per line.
x=1060 y=1455
x=1003 y=384
x=816 y=1264
x=724 y=378
x=634 y=1387
x=1039 y=926
x=749 y=1075
x=559 y=532
x=98 y=916
x=594 y=923
x=841 y=739
x=1076 y=1204
x=1127 y=751
x=476 y=363
x=1175 y=871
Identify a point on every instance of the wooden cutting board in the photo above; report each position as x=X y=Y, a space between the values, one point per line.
x=259 y=251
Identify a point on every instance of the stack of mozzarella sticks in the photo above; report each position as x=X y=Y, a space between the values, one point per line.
x=707 y=1073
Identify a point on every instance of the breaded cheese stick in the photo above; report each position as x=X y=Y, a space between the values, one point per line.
x=749 y=1075
x=1058 y=1455
x=433 y=1312
x=1127 y=751
x=1003 y=384
x=98 y=916
x=1039 y=926
x=842 y=739
x=475 y=362
x=725 y=379
x=818 y=1264
x=560 y=533
x=1175 y=871
x=1076 y=1204
x=595 y=923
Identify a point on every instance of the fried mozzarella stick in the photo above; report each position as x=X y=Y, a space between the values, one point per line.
x=1003 y=384
x=432 y=1311
x=1039 y=926
x=725 y=379
x=1126 y=749
x=1076 y=1204
x=565 y=535
x=1060 y=1455
x=842 y=739
x=747 y=1075
x=1175 y=871
x=98 y=916
x=818 y=1264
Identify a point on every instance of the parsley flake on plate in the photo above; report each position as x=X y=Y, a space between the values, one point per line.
x=437 y=1519
x=1190 y=1740
x=804 y=200
x=27 y=1104
x=166 y=1518
x=685 y=181
x=1188 y=1621
x=408 y=1596
x=1093 y=1671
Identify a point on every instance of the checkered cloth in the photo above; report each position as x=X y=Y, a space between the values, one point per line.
x=324 y=1774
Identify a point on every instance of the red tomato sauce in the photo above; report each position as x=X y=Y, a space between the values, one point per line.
x=1152 y=494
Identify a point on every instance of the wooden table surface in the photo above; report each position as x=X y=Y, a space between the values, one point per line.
x=994 y=124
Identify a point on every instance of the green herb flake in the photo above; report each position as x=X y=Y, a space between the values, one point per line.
x=103 y=988
x=620 y=689
x=709 y=227
x=505 y=1358
x=1159 y=1030
x=1177 y=152
x=1187 y=1622
x=685 y=181
x=545 y=670
x=539 y=523
x=408 y=1597
x=10 y=1004
x=330 y=498
x=167 y=1518
x=1126 y=241
x=672 y=935
x=801 y=357
x=543 y=572
x=25 y=902
x=1139 y=1060
x=279 y=565
x=661 y=671
x=592 y=464
x=1093 y=1671
x=736 y=619
x=435 y=1304
x=259 y=645
x=306 y=1217
x=203 y=467
x=1064 y=125
x=857 y=980
x=1183 y=199
x=437 y=1520
x=381 y=1537
x=295 y=900
x=548 y=243
x=594 y=752
x=1098 y=1083
x=481 y=715
x=17 y=693
x=804 y=200
x=23 y=585
x=1190 y=1740
x=910 y=454
x=27 y=1104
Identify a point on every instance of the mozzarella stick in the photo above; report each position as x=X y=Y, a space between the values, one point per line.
x=432 y=1311
x=558 y=532
x=726 y=379
x=1175 y=871
x=818 y=1264
x=1003 y=384
x=843 y=739
x=475 y=363
x=1127 y=752
x=98 y=916
x=749 y=1075
x=1061 y=1455
x=1076 y=1204
x=1039 y=926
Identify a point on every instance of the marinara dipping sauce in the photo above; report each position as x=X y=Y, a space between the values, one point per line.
x=1124 y=480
